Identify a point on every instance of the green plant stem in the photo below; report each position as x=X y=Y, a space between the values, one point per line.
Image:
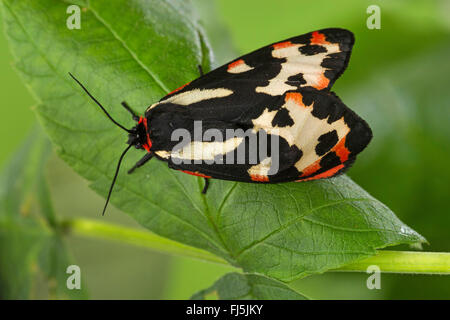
x=142 y=238
x=387 y=261
x=404 y=262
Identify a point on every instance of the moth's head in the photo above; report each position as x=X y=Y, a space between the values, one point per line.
x=138 y=135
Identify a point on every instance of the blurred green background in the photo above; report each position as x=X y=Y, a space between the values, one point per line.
x=397 y=80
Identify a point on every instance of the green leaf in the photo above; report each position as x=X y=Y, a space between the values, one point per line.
x=236 y=286
x=21 y=234
x=30 y=243
x=285 y=231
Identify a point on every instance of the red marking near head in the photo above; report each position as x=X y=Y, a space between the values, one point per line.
x=282 y=45
x=322 y=82
x=326 y=174
x=318 y=38
x=178 y=89
x=235 y=64
x=341 y=150
x=195 y=174
x=297 y=97
x=148 y=145
x=259 y=177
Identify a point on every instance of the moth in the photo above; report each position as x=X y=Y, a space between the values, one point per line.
x=280 y=93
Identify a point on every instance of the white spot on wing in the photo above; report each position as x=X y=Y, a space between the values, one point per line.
x=261 y=169
x=198 y=150
x=264 y=121
x=197 y=95
x=239 y=68
x=309 y=138
x=152 y=106
x=163 y=154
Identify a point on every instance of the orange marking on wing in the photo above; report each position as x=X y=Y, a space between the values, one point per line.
x=178 y=89
x=235 y=64
x=198 y=174
x=326 y=174
x=282 y=45
x=322 y=83
x=297 y=97
x=341 y=150
x=260 y=178
x=318 y=38
x=309 y=170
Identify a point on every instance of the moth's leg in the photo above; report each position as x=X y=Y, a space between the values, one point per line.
x=141 y=162
x=200 y=69
x=205 y=188
x=127 y=107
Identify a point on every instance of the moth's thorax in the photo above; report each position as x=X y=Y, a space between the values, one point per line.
x=163 y=120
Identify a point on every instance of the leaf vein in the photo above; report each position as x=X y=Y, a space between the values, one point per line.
x=131 y=52
x=296 y=219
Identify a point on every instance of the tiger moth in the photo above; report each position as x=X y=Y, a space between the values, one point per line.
x=281 y=93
